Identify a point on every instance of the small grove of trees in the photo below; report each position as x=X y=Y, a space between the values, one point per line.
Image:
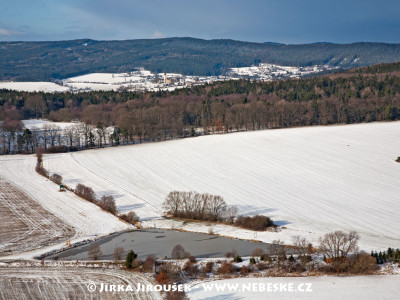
x=196 y=206
x=208 y=207
x=337 y=247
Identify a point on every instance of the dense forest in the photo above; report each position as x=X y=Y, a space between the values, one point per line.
x=351 y=97
x=37 y=61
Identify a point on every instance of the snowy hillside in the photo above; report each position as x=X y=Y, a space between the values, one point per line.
x=311 y=180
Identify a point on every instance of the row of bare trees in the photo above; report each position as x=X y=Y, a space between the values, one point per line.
x=52 y=138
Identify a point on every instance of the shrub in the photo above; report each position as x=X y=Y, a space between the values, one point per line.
x=162 y=278
x=148 y=264
x=208 y=268
x=228 y=254
x=265 y=257
x=257 y=222
x=172 y=271
x=177 y=252
x=130 y=217
x=226 y=268
x=85 y=192
x=237 y=258
x=252 y=260
x=56 y=178
x=192 y=259
x=108 y=203
x=244 y=270
x=129 y=259
x=57 y=149
x=362 y=263
x=190 y=269
x=42 y=171
x=262 y=266
x=257 y=252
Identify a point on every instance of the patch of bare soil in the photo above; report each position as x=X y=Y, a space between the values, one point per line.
x=25 y=225
x=69 y=283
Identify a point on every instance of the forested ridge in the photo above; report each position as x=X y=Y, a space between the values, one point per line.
x=38 y=61
x=361 y=95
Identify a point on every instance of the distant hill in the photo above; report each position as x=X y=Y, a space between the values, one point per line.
x=34 y=61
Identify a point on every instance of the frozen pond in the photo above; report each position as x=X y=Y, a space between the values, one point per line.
x=160 y=242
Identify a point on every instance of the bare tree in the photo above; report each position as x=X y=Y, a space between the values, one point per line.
x=118 y=253
x=177 y=252
x=302 y=247
x=276 y=247
x=339 y=244
x=216 y=208
x=51 y=131
x=172 y=203
x=231 y=213
x=94 y=252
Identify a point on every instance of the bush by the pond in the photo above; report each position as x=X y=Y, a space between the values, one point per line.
x=237 y=258
x=178 y=252
x=226 y=268
x=129 y=259
x=130 y=217
x=257 y=222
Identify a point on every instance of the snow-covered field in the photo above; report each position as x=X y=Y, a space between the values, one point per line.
x=87 y=219
x=33 y=86
x=39 y=123
x=357 y=287
x=311 y=180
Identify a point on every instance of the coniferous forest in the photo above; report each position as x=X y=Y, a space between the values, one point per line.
x=360 y=95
